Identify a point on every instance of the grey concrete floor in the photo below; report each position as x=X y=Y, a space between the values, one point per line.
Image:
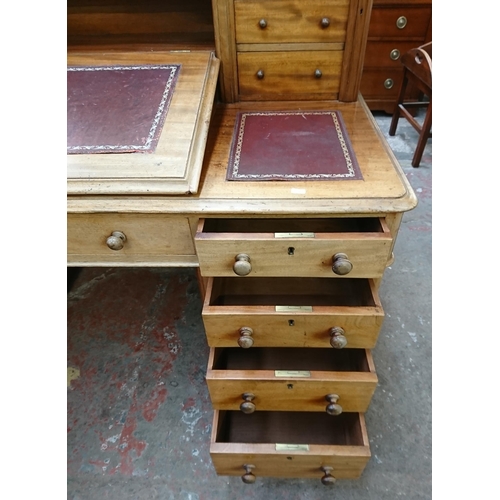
x=139 y=414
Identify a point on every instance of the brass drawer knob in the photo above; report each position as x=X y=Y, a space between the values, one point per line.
x=247 y=406
x=337 y=337
x=245 y=341
x=333 y=408
x=242 y=265
x=341 y=264
x=325 y=22
x=395 y=54
x=116 y=241
x=389 y=83
x=401 y=22
x=318 y=73
x=263 y=24
x=327 y=479
x=248 y=477
x=260 y=74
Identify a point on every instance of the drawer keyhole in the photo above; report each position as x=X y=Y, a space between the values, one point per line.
x=291 y=322
x=291 y=250
x=289 y=386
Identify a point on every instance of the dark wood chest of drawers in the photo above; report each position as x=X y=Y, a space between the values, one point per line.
x=396 y=26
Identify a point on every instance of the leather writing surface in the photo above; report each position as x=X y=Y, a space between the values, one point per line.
x=118 y=109
x=291 y=145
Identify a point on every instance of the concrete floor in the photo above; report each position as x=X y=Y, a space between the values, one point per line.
x=139 y=414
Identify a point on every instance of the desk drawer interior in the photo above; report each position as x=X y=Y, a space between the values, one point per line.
x=292 y=292
x=284 y=358
x=290 y=427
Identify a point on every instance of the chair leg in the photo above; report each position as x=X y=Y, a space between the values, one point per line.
x=399 y=100
x=424 y=136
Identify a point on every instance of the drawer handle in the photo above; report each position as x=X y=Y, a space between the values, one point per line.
x=389 y=83
x=263 y=24
x=341 y=264
x=247 y=406
x=260 y=74
x=318 y=73
x=401 y=22
x=394 y=55
x=325 y=22
x=245 y=341
x=337 y=339
x=116 y=241
x=242 y=265
x=327 y=479
x=248 y=477
x=333 y=408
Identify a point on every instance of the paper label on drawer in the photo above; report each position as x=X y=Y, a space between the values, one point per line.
x=294 y=309
x=292 y=373
x=292 y=447
x=294 y=235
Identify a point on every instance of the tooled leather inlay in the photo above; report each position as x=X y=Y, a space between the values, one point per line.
x=291 y=145
x=118 y=109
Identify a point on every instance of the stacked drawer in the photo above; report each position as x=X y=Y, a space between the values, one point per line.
x=290 y=49
x=291 y=311
x=395 y=28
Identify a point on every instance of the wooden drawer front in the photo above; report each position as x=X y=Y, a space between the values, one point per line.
x=289 y=444
x=386 y=54
x=284 y=247
x=384 y=22
x=244 y=312
x=295 y=21
x=149 y=237
x=375 y=83
x=289 y=74
x=284 y=379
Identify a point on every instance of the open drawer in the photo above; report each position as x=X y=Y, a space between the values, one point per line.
x=292 y=312
x=174 y=166
x=284 y=379
x=289 y=444
x=355 y=247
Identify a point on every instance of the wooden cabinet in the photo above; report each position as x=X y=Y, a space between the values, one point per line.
x=396 y=26
x=289 y=270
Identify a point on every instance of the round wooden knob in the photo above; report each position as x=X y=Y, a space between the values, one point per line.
x=325 y=22
x=248 y=477
x=318 y=73
x=327 y=478
x=337 y=337
x=341 y=264
x=245 y=341
x=333 y=408
x=116 y=241
x=247 y=406
x=242 y=265
x=260 y=74
x=263 y=24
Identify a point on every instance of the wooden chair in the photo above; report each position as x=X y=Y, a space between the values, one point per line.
x=417 y=72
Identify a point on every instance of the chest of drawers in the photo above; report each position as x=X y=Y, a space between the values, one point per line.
x=395 y=27
x=289 y=271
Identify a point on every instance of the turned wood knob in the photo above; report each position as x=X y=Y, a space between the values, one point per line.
x=333 y=408
x=263 y=23
x=318 y=73
x=260 y=74
x=247 y=406
x=341 y=264
x=327 y=479
x=248 y=477
x=245 y=341
x=242 y=265
x=116 y=241
x=337 y=337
